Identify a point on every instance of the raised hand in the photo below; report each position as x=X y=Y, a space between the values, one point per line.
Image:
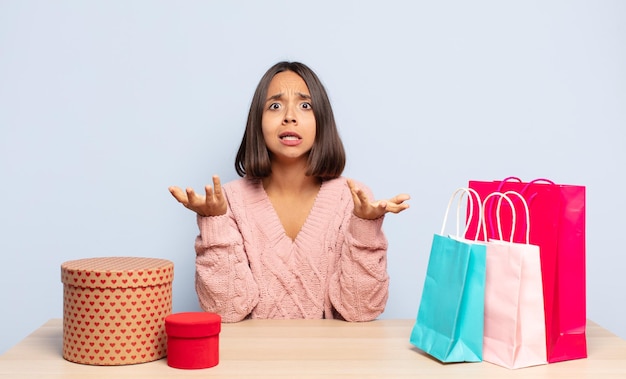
x=366 y=209
x=211 y=204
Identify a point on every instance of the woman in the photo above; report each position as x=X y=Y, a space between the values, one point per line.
x=291 y=238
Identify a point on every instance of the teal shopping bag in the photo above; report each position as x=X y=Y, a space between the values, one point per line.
x=450 y=319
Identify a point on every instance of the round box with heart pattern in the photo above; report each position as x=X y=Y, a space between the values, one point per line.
x=114 y=309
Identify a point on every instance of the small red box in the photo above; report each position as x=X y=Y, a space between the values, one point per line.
x=193 y=339
x=114 y=309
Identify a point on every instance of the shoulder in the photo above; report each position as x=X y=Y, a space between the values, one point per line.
x=243 y=191
x=242 y=185
x=337 y=185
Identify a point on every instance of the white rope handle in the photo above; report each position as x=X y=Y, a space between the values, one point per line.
x=468 y=192
x=507 y=193
x=499 y=222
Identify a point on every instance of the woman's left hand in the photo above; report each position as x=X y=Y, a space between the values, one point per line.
x=370 y=210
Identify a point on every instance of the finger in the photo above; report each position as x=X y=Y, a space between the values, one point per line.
x=355 y=193
x=399 y=199
x=209 y=193
x=193 y=198
x=217 y=187
x=362 y=196
x=350 y=184
x=178 y=194
x=397 y=208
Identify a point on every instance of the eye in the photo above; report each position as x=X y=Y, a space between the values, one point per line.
x=274 y=106
x=306 y=106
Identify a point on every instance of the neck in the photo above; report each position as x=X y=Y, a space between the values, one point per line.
x=290 y=179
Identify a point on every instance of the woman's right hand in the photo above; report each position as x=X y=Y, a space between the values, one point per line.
x=212 y=204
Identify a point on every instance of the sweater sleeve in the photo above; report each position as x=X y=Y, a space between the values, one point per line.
x=224 y=282
x=359 y=287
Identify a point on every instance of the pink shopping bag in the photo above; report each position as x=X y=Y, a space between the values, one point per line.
x=514 y=331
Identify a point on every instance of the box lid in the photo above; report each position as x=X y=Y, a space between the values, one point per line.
x=193 y=324
x=117 y=272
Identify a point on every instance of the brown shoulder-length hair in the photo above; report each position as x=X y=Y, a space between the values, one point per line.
x=327 y=157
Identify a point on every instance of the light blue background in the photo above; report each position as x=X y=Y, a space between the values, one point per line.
x=104 y=104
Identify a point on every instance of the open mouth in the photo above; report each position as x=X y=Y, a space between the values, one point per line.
x=289 y=137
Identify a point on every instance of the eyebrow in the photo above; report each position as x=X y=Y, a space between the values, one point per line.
x=279 y=95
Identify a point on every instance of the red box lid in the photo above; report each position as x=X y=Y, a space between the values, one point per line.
x=193 y=324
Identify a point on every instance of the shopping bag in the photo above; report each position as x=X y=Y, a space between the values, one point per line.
x=449 y=323
x=515 y=332
x=557 y=216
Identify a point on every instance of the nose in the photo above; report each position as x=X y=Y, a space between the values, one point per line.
x=290 y=116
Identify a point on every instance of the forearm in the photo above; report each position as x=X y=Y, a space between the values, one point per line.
x=360 y=286
x=224 y=282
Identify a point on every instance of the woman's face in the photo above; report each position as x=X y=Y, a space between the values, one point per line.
x=288 y=122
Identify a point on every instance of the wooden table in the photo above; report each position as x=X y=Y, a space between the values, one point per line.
x=309 y=349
